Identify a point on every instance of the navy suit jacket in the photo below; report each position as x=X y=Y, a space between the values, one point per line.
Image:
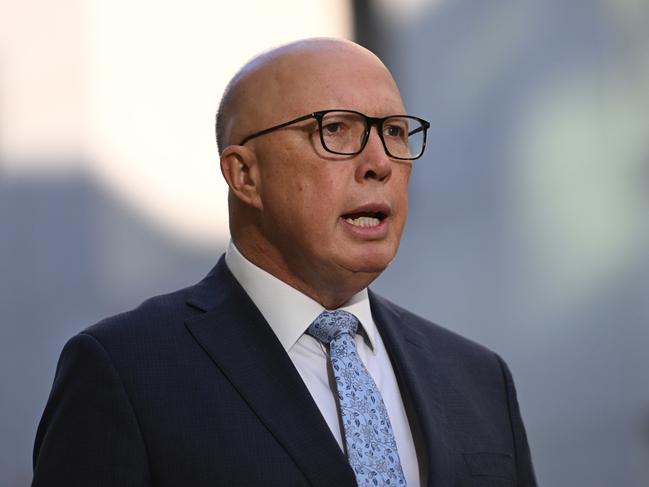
x=194 y=389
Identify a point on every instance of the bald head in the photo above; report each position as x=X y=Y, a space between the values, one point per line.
x=325 y=224
x=281 y=82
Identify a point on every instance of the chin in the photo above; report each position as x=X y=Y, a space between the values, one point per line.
x=373 y=264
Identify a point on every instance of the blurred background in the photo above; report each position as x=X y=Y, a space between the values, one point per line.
x=528 y=229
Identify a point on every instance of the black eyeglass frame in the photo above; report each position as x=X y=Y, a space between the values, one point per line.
x=369 y=121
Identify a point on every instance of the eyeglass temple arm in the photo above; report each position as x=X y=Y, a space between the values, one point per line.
x=277 y=127
x=424 y=125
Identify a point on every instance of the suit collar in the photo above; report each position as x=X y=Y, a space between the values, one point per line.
x=287 y=310
x=417 y=371
x=263 y=373
x=232 y=331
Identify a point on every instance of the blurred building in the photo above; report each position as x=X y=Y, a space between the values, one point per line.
x=527 y=231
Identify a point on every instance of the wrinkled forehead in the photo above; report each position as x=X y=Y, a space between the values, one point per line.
x=316 y=77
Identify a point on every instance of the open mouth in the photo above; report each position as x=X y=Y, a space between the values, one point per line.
x=365 y=219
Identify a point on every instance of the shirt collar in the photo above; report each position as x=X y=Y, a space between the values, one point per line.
x=289 y=312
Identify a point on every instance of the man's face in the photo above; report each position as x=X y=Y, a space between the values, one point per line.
x=331 y=217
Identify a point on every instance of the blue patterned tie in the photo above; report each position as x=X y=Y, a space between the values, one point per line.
x=371 y=448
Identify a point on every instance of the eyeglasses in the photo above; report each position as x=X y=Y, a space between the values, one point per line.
x=346 y=132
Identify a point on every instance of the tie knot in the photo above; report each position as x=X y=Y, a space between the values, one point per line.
x=329 y=324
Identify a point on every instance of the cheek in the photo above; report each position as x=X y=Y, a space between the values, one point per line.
x=301 y=201
x=318 y=189
x=400 y=187
x=318 y=202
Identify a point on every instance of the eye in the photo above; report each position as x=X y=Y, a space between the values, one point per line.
x=332 y=128
x=394 y=131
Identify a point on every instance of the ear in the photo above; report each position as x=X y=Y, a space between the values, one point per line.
x=241 y=171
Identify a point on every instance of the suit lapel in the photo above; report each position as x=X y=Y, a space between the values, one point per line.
x=240 y=342
x=417 y=374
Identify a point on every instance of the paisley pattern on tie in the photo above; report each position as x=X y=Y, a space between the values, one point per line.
x=371 y=448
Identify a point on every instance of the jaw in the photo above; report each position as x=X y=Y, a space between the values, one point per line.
x=332 y=278
x=369 y=259
x=353 y=266
x=368 y=241
x=348 y=258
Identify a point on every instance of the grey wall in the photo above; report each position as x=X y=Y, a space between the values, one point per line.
x=528 y=228
x=70 y=254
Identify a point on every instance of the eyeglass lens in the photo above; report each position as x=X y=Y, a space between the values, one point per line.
x=344 y=133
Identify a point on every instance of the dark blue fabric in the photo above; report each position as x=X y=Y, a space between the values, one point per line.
x=194 y=389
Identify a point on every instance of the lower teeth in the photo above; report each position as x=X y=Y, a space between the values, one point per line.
x=363 y=221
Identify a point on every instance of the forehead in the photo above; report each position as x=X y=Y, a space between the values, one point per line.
x=321 y=77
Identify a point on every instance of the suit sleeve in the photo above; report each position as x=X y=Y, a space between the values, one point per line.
x=88 y=434
x=524 y=469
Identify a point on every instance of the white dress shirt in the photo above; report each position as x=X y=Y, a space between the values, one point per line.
x=289 y=313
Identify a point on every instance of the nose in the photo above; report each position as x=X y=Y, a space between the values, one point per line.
x=374 y=163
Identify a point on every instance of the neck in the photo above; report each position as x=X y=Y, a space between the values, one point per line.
x=330 y=289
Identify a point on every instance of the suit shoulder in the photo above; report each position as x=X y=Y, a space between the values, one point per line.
x=441 y=337
x=148 y=318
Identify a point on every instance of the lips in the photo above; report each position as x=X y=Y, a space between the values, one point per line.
x=368 y=215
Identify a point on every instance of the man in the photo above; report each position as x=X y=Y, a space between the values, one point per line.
x=256 y=375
